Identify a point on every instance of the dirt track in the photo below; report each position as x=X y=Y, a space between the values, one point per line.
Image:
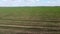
x=15 y=29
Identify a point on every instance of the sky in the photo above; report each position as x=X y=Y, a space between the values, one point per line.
x=29 y=2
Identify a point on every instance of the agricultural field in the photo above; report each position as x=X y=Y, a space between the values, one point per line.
x=29 y=20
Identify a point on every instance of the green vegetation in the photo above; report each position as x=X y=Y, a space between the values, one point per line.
x=27 y=15
x=30 y=16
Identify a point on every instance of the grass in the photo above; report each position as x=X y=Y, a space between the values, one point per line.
x=30 y=16
x=15 y=14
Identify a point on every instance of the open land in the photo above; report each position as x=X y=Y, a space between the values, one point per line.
x=29 y=20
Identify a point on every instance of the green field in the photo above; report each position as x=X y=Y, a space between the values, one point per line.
x=48 y=17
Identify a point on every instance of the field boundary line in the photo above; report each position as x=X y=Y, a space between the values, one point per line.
x=28 y=26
